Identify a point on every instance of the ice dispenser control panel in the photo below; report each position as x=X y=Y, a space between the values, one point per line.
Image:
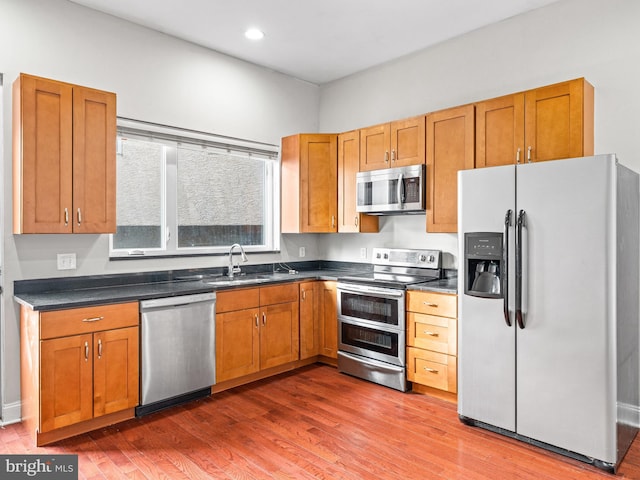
x=484 y=264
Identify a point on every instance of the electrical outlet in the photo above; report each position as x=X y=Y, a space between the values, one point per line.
x=363 y=252
x=302 y=252
x=66 y=261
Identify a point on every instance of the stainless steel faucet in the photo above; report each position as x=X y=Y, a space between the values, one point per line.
x=235 y=269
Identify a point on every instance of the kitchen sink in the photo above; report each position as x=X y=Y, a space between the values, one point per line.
x=223 y=281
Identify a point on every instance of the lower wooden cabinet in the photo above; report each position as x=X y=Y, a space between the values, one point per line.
x=318 y=320
x=432 y=340
x=256 y=329
x=79 y=369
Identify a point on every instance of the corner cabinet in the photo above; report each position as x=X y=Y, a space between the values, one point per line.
x=256 y=329
x=349 y=220
x=64 y=159
x=309 y=180
x=79 y=369
x=547 y=123
x=450 y=140
x=395 y=144
x=319 y=321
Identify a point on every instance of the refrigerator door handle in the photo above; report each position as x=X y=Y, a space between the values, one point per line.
x=520 y=224
x=505 y=272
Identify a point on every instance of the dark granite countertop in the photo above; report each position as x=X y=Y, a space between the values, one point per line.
x=74 y=292
x=444 y=285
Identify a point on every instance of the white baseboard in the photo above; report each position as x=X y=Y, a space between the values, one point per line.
x=11 y=413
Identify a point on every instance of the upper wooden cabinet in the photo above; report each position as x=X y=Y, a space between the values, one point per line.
x=64 y=159
x=546 y=123
x=309 y=183
x=349 y=220
x=396 y=144
x=450 y=140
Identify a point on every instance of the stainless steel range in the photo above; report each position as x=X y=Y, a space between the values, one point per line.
x=371 y=314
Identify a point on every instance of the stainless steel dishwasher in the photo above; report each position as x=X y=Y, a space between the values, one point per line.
x=177 y=350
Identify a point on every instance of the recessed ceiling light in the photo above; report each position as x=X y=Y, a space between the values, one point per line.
x=254 y=34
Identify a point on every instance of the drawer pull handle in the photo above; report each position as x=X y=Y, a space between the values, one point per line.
x=86 y=351
x=99 y=348
x=92 y=319
x=257 y=323
x=429 y=304
x=431 y=334
x=431 y=370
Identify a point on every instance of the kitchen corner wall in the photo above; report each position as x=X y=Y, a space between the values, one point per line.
x=157 y=78
x=595 y=39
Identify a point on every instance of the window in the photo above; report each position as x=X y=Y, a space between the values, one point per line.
x=188 y=193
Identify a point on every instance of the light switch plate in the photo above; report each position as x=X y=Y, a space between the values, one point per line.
x=66 y=261
x=363 y=252
x=302 y=252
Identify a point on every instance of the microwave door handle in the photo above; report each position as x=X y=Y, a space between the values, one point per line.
x=400 y=191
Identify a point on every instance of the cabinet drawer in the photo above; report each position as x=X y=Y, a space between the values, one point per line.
x=432 y=333
x=75 y=321
x=441 y=304
x=231 y=300
x=279 y=294
x=432 y=369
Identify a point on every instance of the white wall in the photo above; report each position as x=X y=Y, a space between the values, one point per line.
x=160 y=79
x=157 y=78
x=595 y=39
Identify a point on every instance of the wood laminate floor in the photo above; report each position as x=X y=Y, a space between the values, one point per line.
x=311 y=423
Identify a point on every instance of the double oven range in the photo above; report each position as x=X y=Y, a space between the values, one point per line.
x=371 y=314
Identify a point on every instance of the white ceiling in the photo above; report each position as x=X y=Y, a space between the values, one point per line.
x=317 y=41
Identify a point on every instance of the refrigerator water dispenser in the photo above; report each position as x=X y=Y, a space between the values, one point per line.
x=484 y=264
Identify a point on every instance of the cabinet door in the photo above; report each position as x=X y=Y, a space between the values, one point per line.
x=309 y=174
x=66 y=381
x=450 y=140
x=237 y=344
x=94 y=161
x=329 y=320
x=500 y=131
x=115 y=370
x=374 y=147
x=319 y=183
x=349 y=220
x=559 y=121
x=279 y=334
x=42 y=155
x=408 y=142
x=309 y=320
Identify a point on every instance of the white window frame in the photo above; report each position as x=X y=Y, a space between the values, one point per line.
x=172 y=137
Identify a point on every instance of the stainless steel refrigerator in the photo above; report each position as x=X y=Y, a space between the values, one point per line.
x=548 y=304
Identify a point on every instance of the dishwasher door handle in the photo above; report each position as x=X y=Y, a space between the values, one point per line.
x=177 y=301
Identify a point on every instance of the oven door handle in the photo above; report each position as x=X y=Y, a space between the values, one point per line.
x=378 y=291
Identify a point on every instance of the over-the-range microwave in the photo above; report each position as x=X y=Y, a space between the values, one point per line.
x=391 y=191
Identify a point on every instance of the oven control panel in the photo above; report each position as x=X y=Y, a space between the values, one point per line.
x=407 y=257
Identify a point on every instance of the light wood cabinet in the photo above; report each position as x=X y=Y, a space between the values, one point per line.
x=256 y=329
x=349 y=220
x=309 y=175
x=309 y=319
x=546 y=123
x=64 y=173
x=450 y=140
x=318 y=320
x=79 y=369
x=329 y=319
x=432 y=346
x=396 y=144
